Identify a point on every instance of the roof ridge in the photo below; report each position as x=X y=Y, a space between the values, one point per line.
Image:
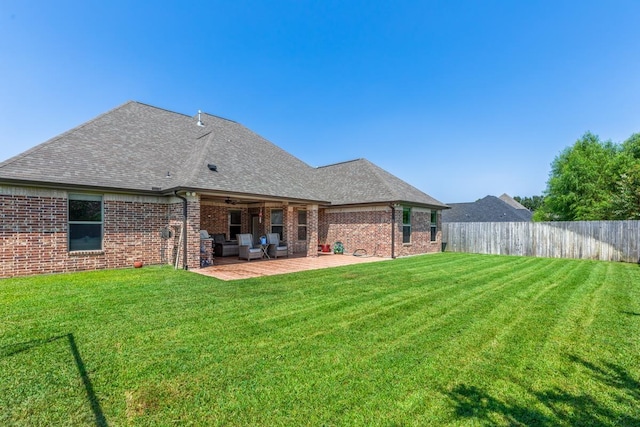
x=63 y=134
x=219 y=117
x=340 y=163
x=159 y=108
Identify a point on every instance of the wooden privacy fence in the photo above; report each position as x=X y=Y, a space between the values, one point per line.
x=600 y=240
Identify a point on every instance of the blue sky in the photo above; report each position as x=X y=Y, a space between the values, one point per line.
x=460 y=99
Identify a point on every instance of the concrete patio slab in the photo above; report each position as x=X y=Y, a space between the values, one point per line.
x=231 y=268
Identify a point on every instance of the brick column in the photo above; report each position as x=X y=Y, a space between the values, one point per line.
x=312 y=230
x=193 y=230
x=289 y=227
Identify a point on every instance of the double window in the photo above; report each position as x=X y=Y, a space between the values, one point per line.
x=85 y=222
x=406 y=225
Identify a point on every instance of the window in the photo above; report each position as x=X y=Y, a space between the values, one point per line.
x=277 y=220
x=434 y=226
x=235 y=224
x=302 y=225
x=85 y=222
x=406 y=225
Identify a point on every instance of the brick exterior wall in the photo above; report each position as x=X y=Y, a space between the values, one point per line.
x=357 y=228
x=313 y=230
x=214 y=217
x=33 y=232
x=369 y=228
x=420 y=233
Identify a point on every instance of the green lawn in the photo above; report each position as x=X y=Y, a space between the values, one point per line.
x=444 y=339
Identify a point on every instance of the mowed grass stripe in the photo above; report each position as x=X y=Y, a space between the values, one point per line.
x=446 y=339
x=364 y=361
x=398 y=299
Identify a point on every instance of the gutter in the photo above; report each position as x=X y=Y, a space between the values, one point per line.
x=184 y=229
x=393 y=231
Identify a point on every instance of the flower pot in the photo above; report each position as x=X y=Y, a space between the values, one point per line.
x=137 y=264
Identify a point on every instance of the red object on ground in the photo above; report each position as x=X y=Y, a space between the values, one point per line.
x=325 y=248
x=137 y=264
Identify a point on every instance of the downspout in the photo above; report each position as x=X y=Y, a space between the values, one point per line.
x=393 y=232
x=184 y=229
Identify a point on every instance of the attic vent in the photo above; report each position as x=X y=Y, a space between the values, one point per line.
x=212 y=167
x=200 y=118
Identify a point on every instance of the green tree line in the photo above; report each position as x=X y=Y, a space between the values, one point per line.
x=592 y=180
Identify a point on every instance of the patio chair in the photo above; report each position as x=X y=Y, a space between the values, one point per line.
x=246 y=248
x=276 y=247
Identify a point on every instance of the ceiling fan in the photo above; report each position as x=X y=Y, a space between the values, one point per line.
x=230 y=202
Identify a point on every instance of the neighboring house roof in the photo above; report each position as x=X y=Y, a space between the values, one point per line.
x=487 y=209
x=511 y=201
x=141 y=148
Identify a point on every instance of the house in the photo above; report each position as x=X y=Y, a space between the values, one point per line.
x=488 y=209
x=138 y=183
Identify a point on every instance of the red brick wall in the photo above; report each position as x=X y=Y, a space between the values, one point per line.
x=357 y=229
x=215 y=218
x=313 y=230
x=33 y=233
x=420 y=234
x=370 y=229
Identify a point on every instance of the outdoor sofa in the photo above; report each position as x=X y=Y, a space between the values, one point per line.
x=224 y=247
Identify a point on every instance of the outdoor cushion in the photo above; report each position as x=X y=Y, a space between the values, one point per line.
x=276 y=247
x=246 y=249
x=223 y=247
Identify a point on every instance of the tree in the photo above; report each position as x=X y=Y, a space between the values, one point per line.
x=626 y=199
x=532 y=203
x=582 y=182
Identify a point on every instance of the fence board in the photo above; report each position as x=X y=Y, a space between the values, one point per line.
x=600 y=240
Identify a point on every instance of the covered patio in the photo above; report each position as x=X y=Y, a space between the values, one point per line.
x=232 y=268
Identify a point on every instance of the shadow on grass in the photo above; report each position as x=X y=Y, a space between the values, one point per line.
x=100 y=420
x=631 y=313
x=562 y=406
x=473 y=402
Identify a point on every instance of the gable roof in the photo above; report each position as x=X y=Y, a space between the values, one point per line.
x=487 y=209
x=361 y=182
x=140 y=148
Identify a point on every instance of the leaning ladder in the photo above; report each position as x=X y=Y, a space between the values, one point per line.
x=178 y=250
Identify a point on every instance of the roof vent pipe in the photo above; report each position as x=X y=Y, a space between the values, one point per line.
x=200 y=118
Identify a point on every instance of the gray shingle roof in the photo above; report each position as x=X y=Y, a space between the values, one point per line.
x=137 y=147
x=487 y=209
x=361 y=182
x=130 y=147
